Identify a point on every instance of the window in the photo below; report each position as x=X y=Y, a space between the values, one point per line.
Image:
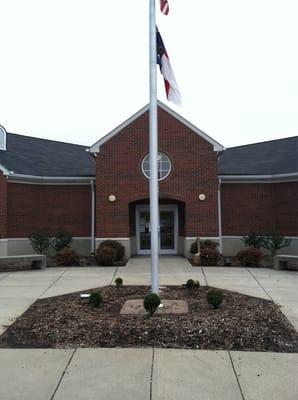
x=163 y=169
x=2 y=138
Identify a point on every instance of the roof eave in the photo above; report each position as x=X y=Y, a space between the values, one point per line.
x=288 y=177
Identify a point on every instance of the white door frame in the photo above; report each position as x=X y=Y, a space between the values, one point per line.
x=163 y=207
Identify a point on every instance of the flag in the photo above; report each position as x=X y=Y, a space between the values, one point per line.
x=164 y=7
x=166 y=70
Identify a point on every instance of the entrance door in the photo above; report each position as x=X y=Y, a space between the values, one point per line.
x=168 y=236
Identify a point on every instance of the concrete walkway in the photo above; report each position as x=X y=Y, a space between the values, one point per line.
x=146 y=374
x=151 y=374
x=18 y=290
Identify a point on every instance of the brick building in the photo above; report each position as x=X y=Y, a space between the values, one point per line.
x=103 y=191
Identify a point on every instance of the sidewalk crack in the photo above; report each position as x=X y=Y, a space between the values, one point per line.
x=53 y=283
x=113 y=277
x=62 y=375
x=236 y=376
x=151 y=373
x=261 y=286
x=204 y=275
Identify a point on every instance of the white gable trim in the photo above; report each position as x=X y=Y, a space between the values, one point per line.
x=95 y=148
x=4 y=170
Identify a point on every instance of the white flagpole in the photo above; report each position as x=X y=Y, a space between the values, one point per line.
x=153 y=127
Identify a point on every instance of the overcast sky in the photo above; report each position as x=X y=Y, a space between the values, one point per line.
x=72 y=70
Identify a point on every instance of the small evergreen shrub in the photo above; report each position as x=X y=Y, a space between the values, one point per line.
x=250 y=257
x=192 y=284
x=106 y=255
x=61 y=240
x=194 y=248
x=214 y=297
x=118 y=247
x=151 y=303
x=275 y=242
x=119 y=282
x=96 y=299
x=67 y=256
x=189 y=283
x=40 y=241
x=253 y=240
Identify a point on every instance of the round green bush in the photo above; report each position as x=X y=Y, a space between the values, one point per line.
x=119 y=282
x=118 y=247
x=191 y=284
x=250 y=257
x=214 y=297
x=151 y=303
x=106 y=255
x=96 y=299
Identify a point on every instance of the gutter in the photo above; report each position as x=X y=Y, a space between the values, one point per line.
x=219 y=215
x=92 y=183
x=35 y=179
x=290 y=177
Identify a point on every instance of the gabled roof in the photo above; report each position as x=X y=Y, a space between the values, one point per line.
x=32 y=156
x=96 y=146
x=275 y=157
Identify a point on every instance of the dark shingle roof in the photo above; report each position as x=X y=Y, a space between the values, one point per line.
x=41 y=157
x=267 y=158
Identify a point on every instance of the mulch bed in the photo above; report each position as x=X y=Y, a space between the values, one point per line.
x=241 y=323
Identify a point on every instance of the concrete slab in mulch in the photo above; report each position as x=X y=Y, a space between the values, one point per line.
x=31 y=374
x=107 y=374
x=131 y=307
x=193 y=375
x=267 y=376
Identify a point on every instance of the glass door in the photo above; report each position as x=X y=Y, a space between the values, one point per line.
x=168 y=229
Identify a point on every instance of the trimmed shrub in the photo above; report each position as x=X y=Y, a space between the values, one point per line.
x=253 y=240
x=96 y=299
x=210 y=244
x=204 y=244
x=40 y=241
x=106 y=255
x=214 y=297
x=250 y=257
x=192 y=284
x=275 y=242
x=118 y=247
x=209 y=256
x=119 y=282
x=151 y=303
x=61 y=240
x=67 y=256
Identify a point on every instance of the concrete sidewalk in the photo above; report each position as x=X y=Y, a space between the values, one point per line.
x=146 y=374
x=18 y=290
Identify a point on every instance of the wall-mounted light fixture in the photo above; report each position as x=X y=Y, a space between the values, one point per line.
x=112 y=198
x=202 y=197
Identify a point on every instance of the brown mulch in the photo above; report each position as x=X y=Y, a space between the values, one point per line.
x=241 y=323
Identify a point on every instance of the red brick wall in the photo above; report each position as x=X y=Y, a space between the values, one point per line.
x=38 y=207
x=194 y=171
x=3 y=191
x=285 y=202
x=259 y=207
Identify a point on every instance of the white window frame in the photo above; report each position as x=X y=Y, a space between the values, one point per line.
x=159 y=154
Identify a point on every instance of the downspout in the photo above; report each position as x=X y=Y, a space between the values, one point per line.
x=219 y=215
x=92 y=217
